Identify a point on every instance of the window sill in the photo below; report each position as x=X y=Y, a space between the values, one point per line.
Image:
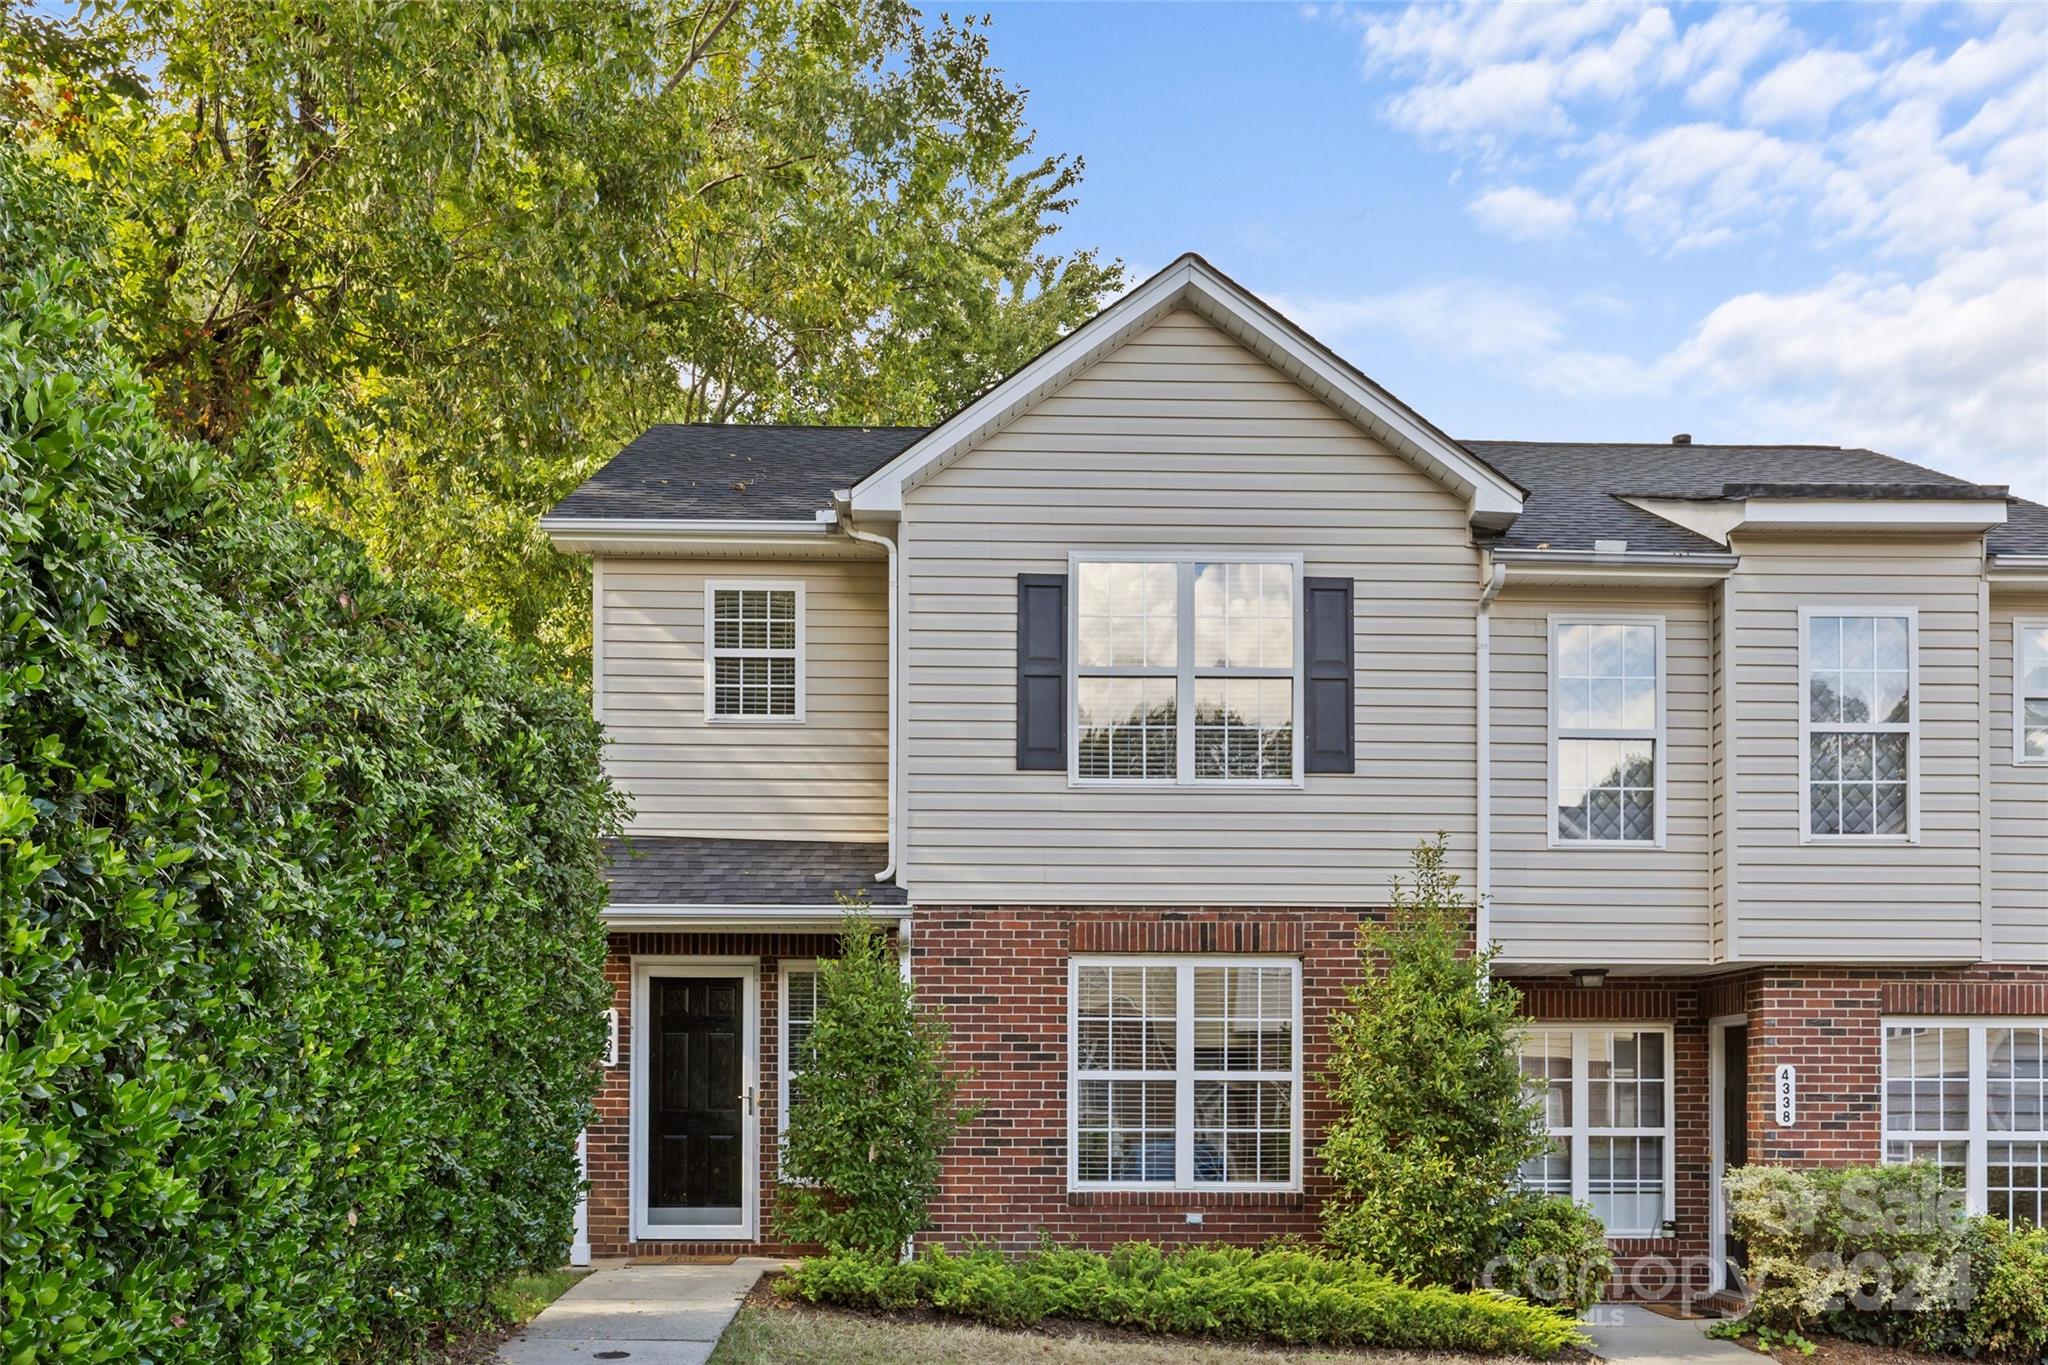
x=1862 y=840
x=1175 y=784
x=745 y=721
x=1202 y=1199
x=1609 y=845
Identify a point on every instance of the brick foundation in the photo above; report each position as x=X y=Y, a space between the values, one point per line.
x=1001 y=975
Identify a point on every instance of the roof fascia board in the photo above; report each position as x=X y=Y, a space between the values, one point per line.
x=1490 y=499
x=1576 y=568
x=1876 y=514
x=1717 y=519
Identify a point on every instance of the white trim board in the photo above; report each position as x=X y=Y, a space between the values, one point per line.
x=713 y=653
x=1193 y=283
x=748 y=969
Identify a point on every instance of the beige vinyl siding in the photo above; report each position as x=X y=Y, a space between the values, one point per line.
x=1182 y=440
x=822 y=778
x=2019 y=807
x=1721 y=737
x=1610 y=905
x=1856 y=901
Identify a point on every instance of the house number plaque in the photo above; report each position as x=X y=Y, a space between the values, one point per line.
x=1788 y=1096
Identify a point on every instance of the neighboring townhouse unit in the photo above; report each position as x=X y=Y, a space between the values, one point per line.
x=1125 y=691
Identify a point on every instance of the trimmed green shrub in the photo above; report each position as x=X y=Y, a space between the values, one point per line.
x=299 y=890
x=1433 y=1116
x=1292 y=1297
x=2010 y=1312
x=1886 y=1254
x=1552 y=1252
x=862 y=1147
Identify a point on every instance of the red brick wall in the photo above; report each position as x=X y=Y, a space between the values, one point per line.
x=1001 y=975
x=1826 y=1021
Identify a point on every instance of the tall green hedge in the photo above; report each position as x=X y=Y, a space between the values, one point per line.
x=300 y=957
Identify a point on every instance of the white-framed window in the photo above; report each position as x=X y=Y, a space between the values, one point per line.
x=1607 y=755
x=1184 y=1073
x=1859 y=722
x=1608 y=1108
x=799 y=1012
x=754 y=651
x=1971 y=1095
x=2030 y=690
x=1186 y=668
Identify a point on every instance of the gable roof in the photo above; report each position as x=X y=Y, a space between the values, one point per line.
x=1194 y=284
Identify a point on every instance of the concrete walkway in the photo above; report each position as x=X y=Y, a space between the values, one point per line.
x=1628 y=1335
x=638 y=1315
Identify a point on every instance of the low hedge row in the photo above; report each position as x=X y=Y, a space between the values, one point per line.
x=1292 y=1297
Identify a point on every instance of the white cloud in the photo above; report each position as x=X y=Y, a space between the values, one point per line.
x=1807 y=88
x=1908 y=158
x=1524 y=214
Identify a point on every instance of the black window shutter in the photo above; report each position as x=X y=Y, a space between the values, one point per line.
x=1042 y=671
x=1330 y=746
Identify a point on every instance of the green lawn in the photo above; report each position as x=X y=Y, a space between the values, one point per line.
x=518 y=1300
x=812 y=1336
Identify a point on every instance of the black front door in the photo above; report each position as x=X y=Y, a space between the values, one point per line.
x=1734 y=1100
x=696 y=1075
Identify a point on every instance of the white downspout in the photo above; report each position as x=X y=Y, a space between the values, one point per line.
x=1482 y=929
x=874 y=538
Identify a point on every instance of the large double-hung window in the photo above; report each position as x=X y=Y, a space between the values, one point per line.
x=1607 y=730
x=753 y=651
x=1859 y=718
x=1186 y=669
x=1185 y=1073
x=1972 y=1097
x=1607 y=1107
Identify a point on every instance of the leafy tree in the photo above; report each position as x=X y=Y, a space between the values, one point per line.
x=1433 y=1117
x=300 y=879
x=861 y=1152
x=505 y=237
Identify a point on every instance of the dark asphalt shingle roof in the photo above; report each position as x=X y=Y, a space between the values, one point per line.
x=1575 y=489
x=734 y=473
x=656 y=870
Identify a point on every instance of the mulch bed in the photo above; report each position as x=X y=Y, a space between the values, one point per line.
x=765 y=1296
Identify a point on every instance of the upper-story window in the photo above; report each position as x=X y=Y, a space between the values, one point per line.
x=1859 y=718
x=1187 y=669
x=1607 y=719
x=754 y=651
x=2030 y=691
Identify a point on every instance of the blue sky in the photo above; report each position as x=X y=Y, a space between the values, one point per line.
x=1602 y=222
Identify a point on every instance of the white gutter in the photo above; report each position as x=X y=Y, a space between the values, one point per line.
x=874 y=538
x=1482 y=927
x=1624 y=559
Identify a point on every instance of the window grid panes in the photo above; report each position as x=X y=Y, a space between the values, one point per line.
x=799 y=1013
x=1546 y=1061
x=754 y=650
x=1605 y=694
x=1859 y=710
x=1927 y=1080
x=1185 y=671
x=2030 y=693
x=1972 y=1097
x=1185 y=1072
x=1607 y=1107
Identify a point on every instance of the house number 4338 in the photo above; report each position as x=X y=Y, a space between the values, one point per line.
x=1788 y=1096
